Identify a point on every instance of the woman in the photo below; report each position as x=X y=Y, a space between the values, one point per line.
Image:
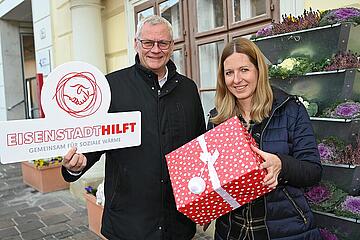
x=282 y=129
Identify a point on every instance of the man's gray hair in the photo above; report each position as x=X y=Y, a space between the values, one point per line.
x=153 y=20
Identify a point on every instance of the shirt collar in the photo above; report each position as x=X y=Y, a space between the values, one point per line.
x=164 y=79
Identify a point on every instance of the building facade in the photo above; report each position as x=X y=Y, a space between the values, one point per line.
x=38 y=35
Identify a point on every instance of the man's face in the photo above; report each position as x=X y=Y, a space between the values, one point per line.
x=156 y=57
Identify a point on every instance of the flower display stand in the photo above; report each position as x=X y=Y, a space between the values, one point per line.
x=345 y=129
x=323 y=88
x=95 y=213
x=44 y=179
x=326 y=89
x=317 y=43
x=346 y=177
x=345 y=228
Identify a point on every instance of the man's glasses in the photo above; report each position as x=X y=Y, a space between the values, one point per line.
x=149 y=44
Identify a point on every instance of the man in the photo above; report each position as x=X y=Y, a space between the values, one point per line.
x=139 y=199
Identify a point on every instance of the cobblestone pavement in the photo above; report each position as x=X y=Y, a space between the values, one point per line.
x=27 y=214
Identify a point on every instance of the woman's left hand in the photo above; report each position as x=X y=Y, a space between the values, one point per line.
x=272 y=164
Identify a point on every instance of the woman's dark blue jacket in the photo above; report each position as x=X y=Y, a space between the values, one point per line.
x=289 y=134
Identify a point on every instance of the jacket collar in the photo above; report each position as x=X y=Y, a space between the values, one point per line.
x=279 y=97
x=170 y=65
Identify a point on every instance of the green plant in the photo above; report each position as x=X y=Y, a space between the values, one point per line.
x=311 y=107
x=325 y=197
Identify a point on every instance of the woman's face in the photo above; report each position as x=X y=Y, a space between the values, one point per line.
x=241 y=76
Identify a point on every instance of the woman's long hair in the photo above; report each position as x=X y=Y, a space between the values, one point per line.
x=226 y=103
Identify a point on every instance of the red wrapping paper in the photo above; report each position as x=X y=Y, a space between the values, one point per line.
x=223 y=164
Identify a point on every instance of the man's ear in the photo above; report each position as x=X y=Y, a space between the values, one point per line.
x=135 y=44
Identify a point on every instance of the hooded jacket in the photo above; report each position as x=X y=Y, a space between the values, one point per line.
x=139 y=202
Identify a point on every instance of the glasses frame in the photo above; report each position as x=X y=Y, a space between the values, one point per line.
x=161 y=47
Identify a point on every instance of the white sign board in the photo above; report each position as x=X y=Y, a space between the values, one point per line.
x=75 y=98
x=43 y=62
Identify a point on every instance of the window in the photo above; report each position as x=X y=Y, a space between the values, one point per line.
x=203 y=27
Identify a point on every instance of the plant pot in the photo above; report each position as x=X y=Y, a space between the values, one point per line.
x=316 y=43
x=95 y=213
x=346 y=130
x=44 y=179
x=323 y=88
x=346 y=177
x=344 y=228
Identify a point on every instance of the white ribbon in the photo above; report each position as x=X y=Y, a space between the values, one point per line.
x=210 y=160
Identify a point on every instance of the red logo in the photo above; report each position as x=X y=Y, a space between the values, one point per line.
x=78 y=94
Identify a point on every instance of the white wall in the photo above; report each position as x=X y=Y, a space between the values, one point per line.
x=11 y=71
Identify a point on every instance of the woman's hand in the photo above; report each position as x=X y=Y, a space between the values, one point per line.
x=272 y=164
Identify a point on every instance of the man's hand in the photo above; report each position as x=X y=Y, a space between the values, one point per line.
x=273 y=166
x=74 y=162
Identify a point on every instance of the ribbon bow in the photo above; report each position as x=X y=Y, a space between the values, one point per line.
x=210 y=159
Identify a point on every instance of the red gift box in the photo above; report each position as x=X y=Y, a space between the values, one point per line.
x=216 y=172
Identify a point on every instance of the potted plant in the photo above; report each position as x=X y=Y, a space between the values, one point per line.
x=334 y=209
x=95 y=206
x=332 y=79
x=44 y=174
x=341 y=163
x=299 y=36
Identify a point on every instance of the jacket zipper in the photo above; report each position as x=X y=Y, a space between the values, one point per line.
x=295 y=205
x=162 y=186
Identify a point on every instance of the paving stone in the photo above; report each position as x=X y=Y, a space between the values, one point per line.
x=12 y=238
x=35 y=234
x=6 y=223
x=9 y=215
x=78 y=221
x=8 y=232
x=62 y=235
x=29 y=210
x=29 y=226
x=83 y=228
x=53 y=211
x=54 y=219
x=49 y=237
x=20 y=206
x=14 y=180
x=25 y=219
x=75 y=231
x=88 y=235
x=2 y=204
x=18 y=202
x=22 y=188
x=52 y=205
x=6 y=210
x=78 y=213
x=53 y=229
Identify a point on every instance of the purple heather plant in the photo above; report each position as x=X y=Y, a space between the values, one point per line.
x=352 y=153
x=318 y=194
x=343 y=60
x=289 y=23
x=347 y=110
x=351 y=204
x=327 y=235
x=266 y=31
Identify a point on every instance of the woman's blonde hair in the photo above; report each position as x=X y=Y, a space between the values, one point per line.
x=225 y=102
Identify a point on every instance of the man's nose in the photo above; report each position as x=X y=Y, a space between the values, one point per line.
x=156 y=48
